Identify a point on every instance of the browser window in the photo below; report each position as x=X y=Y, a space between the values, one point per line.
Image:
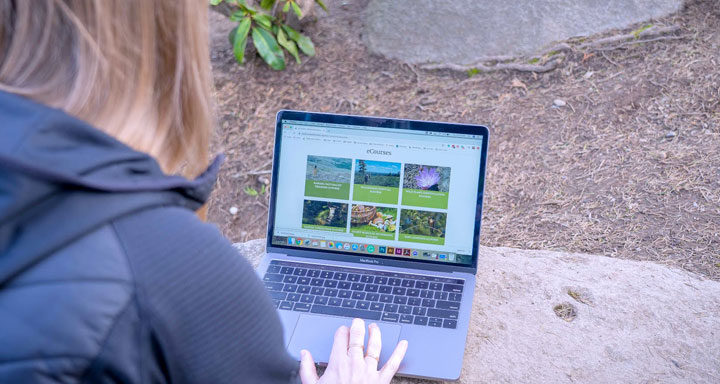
x=377 y=191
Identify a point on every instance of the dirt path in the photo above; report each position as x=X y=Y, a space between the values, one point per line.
x=628 y=166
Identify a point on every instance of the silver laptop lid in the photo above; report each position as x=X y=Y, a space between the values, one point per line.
x=377 y=189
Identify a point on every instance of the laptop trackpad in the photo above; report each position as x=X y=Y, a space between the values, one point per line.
x=316 y=334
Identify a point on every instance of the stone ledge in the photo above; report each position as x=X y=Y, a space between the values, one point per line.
x=633 y=321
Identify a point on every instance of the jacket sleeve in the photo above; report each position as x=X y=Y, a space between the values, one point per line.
x=209 y=317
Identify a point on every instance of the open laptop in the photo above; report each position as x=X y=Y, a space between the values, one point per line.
x=376 y=218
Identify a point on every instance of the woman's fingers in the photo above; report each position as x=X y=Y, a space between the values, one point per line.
x=340 y=347
x=373 y=348
x=347 y=360
x=356 y=347
x=308 y=372
x=388 y=371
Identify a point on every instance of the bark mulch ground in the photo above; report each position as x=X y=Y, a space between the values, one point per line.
x=626 y=164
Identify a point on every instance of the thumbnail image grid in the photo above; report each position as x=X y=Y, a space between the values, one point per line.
x=377 y=182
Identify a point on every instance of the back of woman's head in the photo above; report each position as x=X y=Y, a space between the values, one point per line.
x=137 y=69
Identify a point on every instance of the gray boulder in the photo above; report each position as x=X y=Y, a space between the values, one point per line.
x=550 y=317
x=467 y=31
x=554 y=317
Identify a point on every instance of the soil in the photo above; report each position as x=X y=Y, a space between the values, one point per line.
x=616 y=152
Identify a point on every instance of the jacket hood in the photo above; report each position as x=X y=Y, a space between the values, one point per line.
x=60 y=179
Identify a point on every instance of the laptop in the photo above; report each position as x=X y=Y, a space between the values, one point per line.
x=376 y=218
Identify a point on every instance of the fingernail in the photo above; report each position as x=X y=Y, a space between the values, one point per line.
x=303 y=353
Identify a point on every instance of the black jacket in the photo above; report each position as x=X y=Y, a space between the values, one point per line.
x=106 y=274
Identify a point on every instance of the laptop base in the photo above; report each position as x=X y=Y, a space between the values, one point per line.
x=433 y=352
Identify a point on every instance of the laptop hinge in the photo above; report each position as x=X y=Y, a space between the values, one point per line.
x=372 y=261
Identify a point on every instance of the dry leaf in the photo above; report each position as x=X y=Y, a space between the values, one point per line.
x=516 y=83
x=504 y=96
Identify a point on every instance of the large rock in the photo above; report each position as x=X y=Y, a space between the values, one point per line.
x=633 y=321
x=466 y=31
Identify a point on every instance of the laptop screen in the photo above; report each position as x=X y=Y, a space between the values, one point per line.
x=380 y=192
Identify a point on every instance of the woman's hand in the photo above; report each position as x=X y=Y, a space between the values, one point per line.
x=349 y=363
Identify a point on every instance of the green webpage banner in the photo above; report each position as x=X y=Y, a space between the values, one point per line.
x=421 y=239
x=421 y=198
x=372 y=234
x=375 y=194
x=327 y=189
x=322 y=228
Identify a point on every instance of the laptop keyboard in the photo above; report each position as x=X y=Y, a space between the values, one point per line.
x=367 y=294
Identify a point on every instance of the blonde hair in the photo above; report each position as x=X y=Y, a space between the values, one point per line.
x=137 y=69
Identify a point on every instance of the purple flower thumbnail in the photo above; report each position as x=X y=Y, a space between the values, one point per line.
x=427 y=177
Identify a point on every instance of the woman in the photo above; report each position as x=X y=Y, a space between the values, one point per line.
x=106 y=273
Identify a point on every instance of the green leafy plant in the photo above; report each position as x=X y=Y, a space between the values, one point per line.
x=267 y=27
x=250 y=191
x=640 y=30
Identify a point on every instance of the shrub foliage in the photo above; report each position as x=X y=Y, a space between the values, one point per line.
x=266 y=24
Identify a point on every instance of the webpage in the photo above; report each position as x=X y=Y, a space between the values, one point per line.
x=377 y=191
